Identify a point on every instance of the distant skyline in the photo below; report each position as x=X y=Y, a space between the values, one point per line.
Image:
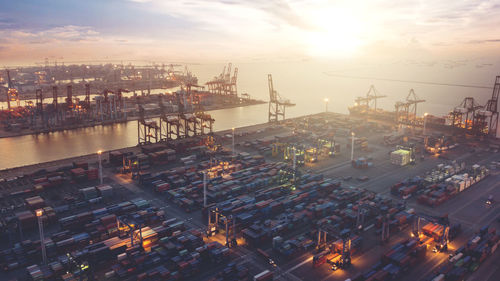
x=222 y=30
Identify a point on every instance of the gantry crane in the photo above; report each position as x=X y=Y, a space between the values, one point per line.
x=164 y=132
x=205 y=120
x=371 y=97
x=406 y=111
x=492 y=106
x=69 y=97
x=12 y=92
x=463 y=116
x=133 y=227
x=39 y=101
x=147 y=129
x=86 y=101
x=224 y=84
x=345 y=236
x=442 y=241
x=486 y=119
x=277 y=106
x=231 y=88
x=229 y=223
x=38 y=110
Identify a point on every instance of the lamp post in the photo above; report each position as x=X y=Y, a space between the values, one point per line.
x=232 y=158
x=204 y=188
x=294 y=164
x=326 y=104
x=39 y=214
x=352 y=146
x=99 y=152
x=424 y=133
x=425 y=122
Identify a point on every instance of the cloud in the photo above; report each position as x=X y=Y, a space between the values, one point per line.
x=484 y=41
x=260 y=28
x=57 y=34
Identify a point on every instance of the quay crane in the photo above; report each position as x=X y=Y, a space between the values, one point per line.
x=371 y=97
x=12 y=92
x=277 y=105
x=406 y=111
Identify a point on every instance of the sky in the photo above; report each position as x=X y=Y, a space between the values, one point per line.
x=239 y=30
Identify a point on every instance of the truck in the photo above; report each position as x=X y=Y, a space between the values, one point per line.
x=334 y=260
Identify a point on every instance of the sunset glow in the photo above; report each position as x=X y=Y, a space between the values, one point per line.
x=197 y=30
x=336 y=34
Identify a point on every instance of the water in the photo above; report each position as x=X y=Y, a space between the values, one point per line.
x=304 y=83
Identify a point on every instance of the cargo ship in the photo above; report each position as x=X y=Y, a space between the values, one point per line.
x=378 y=114
x=364 y=111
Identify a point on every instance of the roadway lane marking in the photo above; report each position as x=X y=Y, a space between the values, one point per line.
x=299 y=265
x=477 y=197
x=368 y=227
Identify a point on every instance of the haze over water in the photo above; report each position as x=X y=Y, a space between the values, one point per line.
x=304 y=83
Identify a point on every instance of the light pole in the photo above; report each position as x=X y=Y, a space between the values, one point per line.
x=233 y=145
x=99 y=152
x=352 y=146
x=424 y=133
x=294 y=164
x=425 y=122
x=326 y=104
x=204 y=188
x=39 y=214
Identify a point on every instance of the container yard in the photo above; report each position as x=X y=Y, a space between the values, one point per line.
x=319 y=197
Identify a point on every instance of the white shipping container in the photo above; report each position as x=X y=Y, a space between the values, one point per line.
x=456 y=257
x=494 y=248
x=121 y=256
x=109 y=274
x=440 y=277
x=476 y=239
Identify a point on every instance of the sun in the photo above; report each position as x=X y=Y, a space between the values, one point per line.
x=335 y=33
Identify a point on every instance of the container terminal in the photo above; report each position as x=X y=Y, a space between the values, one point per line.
x=320 y=197
x=90 y=95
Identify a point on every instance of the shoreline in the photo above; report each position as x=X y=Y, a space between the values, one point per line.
x=21 y=170
x=27 y=132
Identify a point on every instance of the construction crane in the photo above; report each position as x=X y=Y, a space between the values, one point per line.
x=406 y=111
x=277 y=106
